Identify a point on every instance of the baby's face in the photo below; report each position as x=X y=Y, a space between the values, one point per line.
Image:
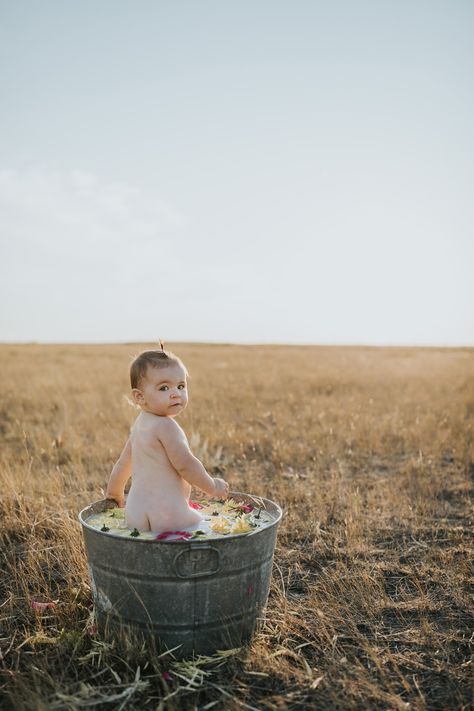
x=163 y=391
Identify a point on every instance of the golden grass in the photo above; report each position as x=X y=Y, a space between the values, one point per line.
x=368 y=450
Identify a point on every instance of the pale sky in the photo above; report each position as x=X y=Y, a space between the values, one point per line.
x=286 y=171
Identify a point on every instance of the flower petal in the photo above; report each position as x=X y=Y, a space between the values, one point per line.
x=42 y=606
x=179 y=535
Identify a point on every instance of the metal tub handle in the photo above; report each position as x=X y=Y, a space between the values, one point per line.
x=187 y=563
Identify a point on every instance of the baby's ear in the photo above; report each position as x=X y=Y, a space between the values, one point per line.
x=137 y=396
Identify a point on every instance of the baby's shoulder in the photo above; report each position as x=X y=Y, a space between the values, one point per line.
x=161 y=423
x=147 y=422
x=170 y=427
x=164 y=426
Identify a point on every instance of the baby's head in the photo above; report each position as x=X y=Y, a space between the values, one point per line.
x=158 y=382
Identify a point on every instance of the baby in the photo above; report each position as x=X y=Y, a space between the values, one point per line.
x=157 y=451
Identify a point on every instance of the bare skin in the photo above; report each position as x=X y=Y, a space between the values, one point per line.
x=157 y=452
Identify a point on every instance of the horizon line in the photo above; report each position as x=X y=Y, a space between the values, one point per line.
x=279 y=344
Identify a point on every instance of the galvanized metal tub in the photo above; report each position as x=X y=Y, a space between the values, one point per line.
x=195 y=596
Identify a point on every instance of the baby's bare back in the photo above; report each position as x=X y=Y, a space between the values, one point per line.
x=158 y=497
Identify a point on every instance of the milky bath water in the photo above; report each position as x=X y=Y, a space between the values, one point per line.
x=219 y=518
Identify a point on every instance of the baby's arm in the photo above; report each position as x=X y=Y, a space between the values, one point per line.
x=186 y=464
x=120 y=473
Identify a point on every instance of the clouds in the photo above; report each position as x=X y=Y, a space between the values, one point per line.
x=72 y=243
x=77 y=209
x=56 y=224
x=86 y=259
x=83 y=259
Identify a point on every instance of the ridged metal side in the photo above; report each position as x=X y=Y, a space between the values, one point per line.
x=201 y=595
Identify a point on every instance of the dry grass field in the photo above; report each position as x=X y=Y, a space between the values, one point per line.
x=370 y=453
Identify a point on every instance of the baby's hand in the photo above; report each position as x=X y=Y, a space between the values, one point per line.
x=119 y=500
x=221 y=488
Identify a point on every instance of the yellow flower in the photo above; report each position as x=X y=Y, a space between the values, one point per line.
x=241 y=526
x=220 y=525
x=227 y=506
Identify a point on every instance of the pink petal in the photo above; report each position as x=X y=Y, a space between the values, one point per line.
x=195 y=505
x=183 y=535
x=42 y=606
x=163 y=536
x=246 y=508
x=167 y=676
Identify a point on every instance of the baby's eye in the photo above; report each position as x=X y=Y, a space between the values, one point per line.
x=181 y=386
x=164 y=387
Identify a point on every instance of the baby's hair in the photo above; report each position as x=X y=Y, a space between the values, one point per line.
x=152 y=359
